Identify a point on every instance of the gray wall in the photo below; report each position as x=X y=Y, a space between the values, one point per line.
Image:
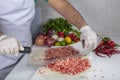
x=102 y=15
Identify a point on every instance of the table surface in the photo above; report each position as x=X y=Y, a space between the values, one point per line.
x=103 y=68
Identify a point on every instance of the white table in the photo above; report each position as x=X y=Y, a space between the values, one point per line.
x=103 y=68
x=22 y=71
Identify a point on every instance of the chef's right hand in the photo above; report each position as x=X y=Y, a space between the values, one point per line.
x=10 y=45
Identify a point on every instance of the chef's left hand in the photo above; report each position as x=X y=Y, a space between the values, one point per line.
x=89 y=37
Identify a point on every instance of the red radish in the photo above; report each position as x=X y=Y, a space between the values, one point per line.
x=60 y=34
x=75 y=39
x=111 y=43
x=72 y=35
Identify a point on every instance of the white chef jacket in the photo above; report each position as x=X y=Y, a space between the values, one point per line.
x=15 y=21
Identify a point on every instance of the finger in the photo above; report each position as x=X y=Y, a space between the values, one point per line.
x=92 y=44
x=86 y=43
x=3 y=51
x=93 y=47
x=16 y=50
x=20 y=46
x=11 y=50
x=7 y=51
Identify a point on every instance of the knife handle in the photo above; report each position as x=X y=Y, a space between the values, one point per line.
x=26 y=50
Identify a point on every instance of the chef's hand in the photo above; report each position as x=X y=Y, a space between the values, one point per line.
x=89 y=37
x=9 y=45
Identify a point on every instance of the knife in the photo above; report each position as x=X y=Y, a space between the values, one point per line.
x=37 y=55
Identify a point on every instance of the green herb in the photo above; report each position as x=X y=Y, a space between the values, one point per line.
x=58 y=24
x=105 y=39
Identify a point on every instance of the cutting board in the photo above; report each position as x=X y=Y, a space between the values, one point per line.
x=44 y=73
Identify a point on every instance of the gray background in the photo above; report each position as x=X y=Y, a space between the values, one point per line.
x=102 y=15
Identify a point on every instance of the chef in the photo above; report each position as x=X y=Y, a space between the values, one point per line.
x=15 y=22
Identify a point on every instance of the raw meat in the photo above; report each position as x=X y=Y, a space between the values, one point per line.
x=59 y=52
x=71 y=66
